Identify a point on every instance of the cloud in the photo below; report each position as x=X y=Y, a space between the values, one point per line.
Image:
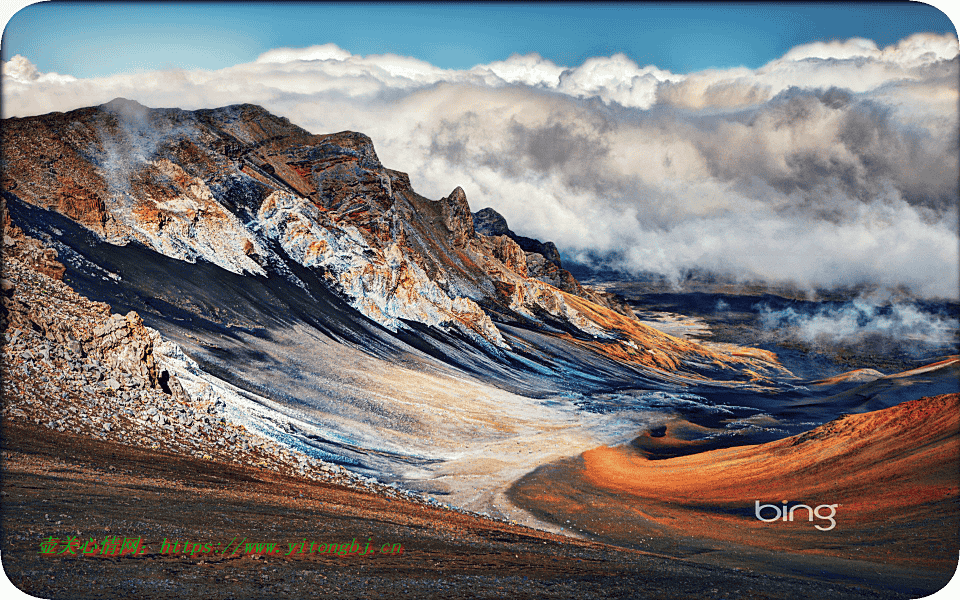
x=530 y=69
x=20 y=70
x=615 y=79
x=287 y=55
x=835 y=164
x=917 y=49
x=841 y=49
x=854 y=320
x=727 y=89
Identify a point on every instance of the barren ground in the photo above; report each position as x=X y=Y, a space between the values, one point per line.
x=62 y=484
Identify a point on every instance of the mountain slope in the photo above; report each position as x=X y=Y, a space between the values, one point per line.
x=890 y=476
x=330 y=307
x=263 y=199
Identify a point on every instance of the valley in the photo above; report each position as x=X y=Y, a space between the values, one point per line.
x=224 y=288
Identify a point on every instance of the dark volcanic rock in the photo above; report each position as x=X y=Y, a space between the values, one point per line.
x=489 y=222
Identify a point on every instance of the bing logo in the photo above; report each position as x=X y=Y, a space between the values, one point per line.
x=783 y=513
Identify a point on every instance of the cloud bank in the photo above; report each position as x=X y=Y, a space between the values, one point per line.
x=852 y=321
x=836 y=164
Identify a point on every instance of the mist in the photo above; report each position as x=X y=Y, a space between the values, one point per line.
x=835 y=165
x=852 y=321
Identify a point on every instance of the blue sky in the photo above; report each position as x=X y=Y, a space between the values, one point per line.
x=95 y=39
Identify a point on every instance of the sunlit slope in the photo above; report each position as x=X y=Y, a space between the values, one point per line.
x=892 y=474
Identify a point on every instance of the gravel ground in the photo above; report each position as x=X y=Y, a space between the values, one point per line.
x=62 y=484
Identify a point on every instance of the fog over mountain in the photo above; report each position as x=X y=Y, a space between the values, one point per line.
x=833 y=165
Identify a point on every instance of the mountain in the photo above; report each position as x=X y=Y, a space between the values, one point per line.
x=319 y=217
x=310 y=290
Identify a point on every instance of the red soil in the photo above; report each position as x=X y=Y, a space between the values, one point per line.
x=893 y=473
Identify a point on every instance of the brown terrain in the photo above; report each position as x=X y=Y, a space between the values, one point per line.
x=62 y=484
x=892 y=474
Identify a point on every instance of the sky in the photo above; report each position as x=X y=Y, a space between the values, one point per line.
x=809 y=144
x=130 y=36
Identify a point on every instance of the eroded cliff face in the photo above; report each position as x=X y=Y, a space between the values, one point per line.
x=70 y=365
x=246 y=191
x=540 y=260
x=79 y=329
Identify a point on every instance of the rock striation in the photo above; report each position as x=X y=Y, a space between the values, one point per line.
x=70 y=365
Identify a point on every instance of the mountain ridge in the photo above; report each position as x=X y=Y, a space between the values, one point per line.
x=248 y=191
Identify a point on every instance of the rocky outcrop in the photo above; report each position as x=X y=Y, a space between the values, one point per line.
x=542 y=261
x=81 y=204
x=381 y=282
x=38 y=302
x=509 y=253
x=489 y=222
x=28 y=250
x=457 y=217
x=125 y=345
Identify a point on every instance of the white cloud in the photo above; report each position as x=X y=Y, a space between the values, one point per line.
x=912 y=51
x=841 y=49
x=863 y=316
x=835 y=164
x=616 y=79
x=530 y=69
x=286 y=55
x=922 y=48
x=20 y=70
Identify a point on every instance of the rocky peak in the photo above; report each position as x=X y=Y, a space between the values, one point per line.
x=489 y=222
x=351 y=143
x=245 y=124
x=457 y=216
x=123 y=105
